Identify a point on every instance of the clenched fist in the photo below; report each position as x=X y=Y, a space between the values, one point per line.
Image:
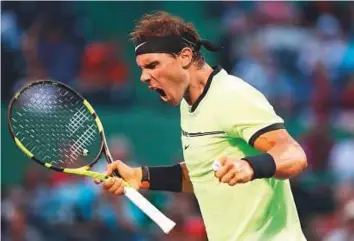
x=232 y=171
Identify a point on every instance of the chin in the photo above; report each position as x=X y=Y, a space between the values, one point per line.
x=170 y=101
x=175 y=102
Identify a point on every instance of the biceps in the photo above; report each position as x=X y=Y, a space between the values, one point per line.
x=271 y=139
x=280 y=145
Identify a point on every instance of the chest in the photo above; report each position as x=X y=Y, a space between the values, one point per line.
x=202 y=138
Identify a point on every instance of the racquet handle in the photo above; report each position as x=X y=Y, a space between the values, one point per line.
x=151 y=211
x=116 y=174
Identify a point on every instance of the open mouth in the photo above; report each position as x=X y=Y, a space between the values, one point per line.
x=161 y=92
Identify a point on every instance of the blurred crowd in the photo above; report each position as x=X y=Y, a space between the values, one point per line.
x=47 y=40
x=299 y=54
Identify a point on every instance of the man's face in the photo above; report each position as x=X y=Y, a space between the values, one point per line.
x=164 y=74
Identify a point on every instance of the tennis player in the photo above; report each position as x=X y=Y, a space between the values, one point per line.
x=223 y=118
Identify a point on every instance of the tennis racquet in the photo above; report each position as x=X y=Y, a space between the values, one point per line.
x=59 y=129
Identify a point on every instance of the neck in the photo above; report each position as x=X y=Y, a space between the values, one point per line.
x=197 y=83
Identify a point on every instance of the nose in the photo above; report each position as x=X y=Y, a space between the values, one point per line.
x=145 y=76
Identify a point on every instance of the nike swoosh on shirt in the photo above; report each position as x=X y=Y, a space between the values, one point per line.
x=186 y=147
x=136 y=48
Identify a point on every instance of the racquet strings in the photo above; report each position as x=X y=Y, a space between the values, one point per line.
x=53 y=123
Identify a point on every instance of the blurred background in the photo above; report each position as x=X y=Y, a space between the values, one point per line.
x=299 y=54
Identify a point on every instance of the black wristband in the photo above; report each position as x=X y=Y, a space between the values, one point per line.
x=145 y=179
x=263 y=165
x=168 y=178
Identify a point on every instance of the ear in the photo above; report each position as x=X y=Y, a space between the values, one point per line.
x=185 y=57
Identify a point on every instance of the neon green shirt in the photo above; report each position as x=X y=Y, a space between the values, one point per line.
x=225 y=121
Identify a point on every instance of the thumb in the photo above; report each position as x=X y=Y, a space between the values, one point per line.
x=111 y=168
x=222 y=160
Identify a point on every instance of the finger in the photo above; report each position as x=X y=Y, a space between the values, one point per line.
x=111 y=168
x=120 y=190
x=234 y=181
x=241 y=177
x=222 y=160
x=116 y=185
x=108 y=183
x=228 y=176
x=223 y=170
x=97 y=181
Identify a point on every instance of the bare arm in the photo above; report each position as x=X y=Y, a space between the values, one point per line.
x=186 y=182
x=289 y=159
x=288 y=155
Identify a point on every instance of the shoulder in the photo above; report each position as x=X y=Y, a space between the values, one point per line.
x=235 y=88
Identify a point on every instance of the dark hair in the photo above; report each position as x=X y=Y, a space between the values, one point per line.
x=161 y=24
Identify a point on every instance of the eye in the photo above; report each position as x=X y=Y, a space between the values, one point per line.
x=151 y=65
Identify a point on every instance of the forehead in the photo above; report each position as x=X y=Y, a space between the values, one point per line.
x=145 y=59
